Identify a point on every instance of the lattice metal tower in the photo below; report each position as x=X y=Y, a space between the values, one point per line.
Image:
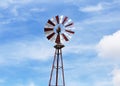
x=58 y=29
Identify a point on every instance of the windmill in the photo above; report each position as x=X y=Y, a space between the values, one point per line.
x=58 y=29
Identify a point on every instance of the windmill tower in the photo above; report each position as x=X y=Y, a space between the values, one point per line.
x=58 y=29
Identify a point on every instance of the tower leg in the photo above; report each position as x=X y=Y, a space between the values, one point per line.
x=62 y=67
x=57 y=72
x=53 y=66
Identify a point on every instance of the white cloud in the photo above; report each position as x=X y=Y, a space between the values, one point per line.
x=6 y=3
x=6 y=21
x=92 y=71
x=101 y=6
x=103 y=18
x=37 y=10
x=31 y=83
x=78 y=49
x=72 y=1
x=73 y=83
x=14 y=11
x=22 y=50
x=109 y=46
x=109 y=16
x=96 y=8
x=21 y=1
x=103 y=83
x=116 y=77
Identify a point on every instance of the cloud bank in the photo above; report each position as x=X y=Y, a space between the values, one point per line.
x=109 y=46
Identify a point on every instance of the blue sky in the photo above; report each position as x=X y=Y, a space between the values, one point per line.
x=91 y=58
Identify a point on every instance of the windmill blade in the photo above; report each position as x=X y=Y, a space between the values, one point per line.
x=70 y=24
x=68 y=21
x=64 y=20
x=51 y=23
x=64 y=37
x=57 y=39
x=68 y=35
x=57 y=19
x=53 y=38
x=53 y=19
x=48 y=29
x=48 y=33
x=61 y=19
x=50 y=36
x=69 y=31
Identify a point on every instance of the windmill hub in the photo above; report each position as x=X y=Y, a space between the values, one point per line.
x=58 y=30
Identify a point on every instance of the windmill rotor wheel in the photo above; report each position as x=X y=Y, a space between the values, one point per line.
x=59 y=29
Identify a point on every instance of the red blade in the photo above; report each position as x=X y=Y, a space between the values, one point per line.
x=48 y=29
x=69 y=25
x=57 y=18
x=58 y=39
x=64 y=36
x=50 y=22
x=65 y=19
x=51 y=35
x=69 y=31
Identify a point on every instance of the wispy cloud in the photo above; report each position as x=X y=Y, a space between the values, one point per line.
x=37 y=10
x=96 y=8
x=14 y=10
x=95 y=72
x=103 y=83
x=6 y=21
x=22 y=50
x=79 y=48
x=104 y=17
x=100 y=6
x=7 y=3
x=31 y=83
x=4 y=4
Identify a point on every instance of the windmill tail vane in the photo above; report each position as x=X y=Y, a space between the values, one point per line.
x=58 y=29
